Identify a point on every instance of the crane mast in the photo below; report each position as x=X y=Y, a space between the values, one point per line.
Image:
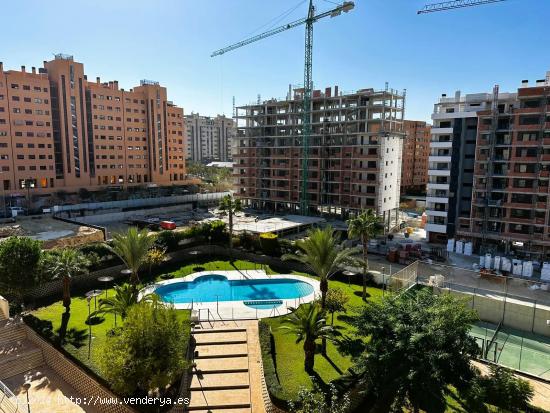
x=456 y=4
x=306 y=120
x=311 y=18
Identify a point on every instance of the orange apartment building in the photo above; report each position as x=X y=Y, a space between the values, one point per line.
x=60 y=131
x=511 y=187
x=416 y=150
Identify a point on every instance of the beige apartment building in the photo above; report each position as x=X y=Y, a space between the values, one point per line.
x=58 y=130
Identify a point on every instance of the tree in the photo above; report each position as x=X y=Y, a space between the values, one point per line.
x=125 y=297
x=66 y=264
x=322 y=254
x=19 y=264
x=315 y=401
x=336 y=301
x=365 y=226
x=229 y=206
x=364 y=266
x=149 y=353
x=132 y=248
x=419 y=345
x=308 y=324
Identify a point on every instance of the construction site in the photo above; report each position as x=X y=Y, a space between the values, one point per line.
x=511 y=193
x=352 y=157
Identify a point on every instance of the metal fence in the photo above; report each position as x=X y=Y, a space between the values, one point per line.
x=8 y=401
x=470 y=281
x=143 y=202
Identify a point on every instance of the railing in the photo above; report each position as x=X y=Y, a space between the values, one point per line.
x=8 y=401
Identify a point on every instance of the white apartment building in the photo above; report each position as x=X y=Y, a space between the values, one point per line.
x=451 y=161
x=209 y=138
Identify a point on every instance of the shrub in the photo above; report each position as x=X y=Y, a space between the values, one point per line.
x=503 y=389
x=20 y=264
x=167 y=240
x=247 y=240
x=269 y=243
x=149 y=354
x=270 y=372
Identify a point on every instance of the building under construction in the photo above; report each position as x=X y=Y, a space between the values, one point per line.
x=353 y=153
x=511 y=192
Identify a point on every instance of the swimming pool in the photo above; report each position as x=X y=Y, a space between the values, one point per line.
x=215 y=288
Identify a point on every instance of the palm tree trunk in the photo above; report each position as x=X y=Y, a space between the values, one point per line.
x=309 y=352
x=230 y=229
x=67 y=292
x=324 y=288
x=365 y=258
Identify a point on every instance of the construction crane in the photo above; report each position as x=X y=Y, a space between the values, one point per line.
x=456 y=4
x=311 y=18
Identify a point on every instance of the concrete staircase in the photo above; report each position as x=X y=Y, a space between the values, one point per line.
x=220 y=382
x=17 y=354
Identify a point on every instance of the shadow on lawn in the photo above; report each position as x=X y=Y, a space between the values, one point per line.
x=350 y=346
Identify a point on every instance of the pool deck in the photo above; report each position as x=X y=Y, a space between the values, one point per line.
x=237 y=310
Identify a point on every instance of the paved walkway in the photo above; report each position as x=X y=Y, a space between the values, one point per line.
x=227 y=377
x=22 y=361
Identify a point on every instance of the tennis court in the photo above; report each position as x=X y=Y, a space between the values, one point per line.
x=512 y=348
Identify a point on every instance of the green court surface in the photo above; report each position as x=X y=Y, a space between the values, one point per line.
x=512 y=348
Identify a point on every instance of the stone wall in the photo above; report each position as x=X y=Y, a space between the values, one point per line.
x=78 y=378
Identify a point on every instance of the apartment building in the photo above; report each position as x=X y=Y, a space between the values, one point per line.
x=209 y=138
x=416 y=149
x=451 y=161
x=511 y=192
x=60 y=131
x=354 y=157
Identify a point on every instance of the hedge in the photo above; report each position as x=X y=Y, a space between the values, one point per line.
x=267 y=346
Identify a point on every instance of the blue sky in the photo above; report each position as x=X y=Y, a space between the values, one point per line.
x=380 y=40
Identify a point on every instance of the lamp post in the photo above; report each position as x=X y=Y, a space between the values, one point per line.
x=27 y=386
x=383 y=281
x=88 y=299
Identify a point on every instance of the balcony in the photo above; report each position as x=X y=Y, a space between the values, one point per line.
x=444 y=145
x=435 y=213
x=437 y=200
x=439 y=158
x=439 y=172
x=436 y=228
x=442 y=131
x=437 y=186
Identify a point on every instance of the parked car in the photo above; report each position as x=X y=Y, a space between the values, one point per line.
x=17 y=210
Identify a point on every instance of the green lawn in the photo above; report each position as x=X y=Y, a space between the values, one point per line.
x=290 y=356
x=78 y=331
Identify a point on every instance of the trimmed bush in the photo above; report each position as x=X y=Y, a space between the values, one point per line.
x=269 y=243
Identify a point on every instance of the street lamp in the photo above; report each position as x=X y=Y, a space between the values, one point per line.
x=88 y=299
x=383 y=280
x=27 y=386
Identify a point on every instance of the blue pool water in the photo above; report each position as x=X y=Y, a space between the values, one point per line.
x=210 y=288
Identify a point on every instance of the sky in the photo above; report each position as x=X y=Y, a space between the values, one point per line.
x=380 y=41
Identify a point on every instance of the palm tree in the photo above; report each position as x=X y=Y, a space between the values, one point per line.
x=365 y=226
x=125 y=296
x=364 y=266
x=323 y=255
x=132 y=248
x=228 y=206
x=308 y=324
x=65 y=265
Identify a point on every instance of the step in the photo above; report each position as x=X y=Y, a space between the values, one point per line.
x=220 y=381
x=222 y=364
x=228 y=410
x=232 y=337
x=218 y=330
x=11 y=332
x=219 y=399
x=223 y=350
